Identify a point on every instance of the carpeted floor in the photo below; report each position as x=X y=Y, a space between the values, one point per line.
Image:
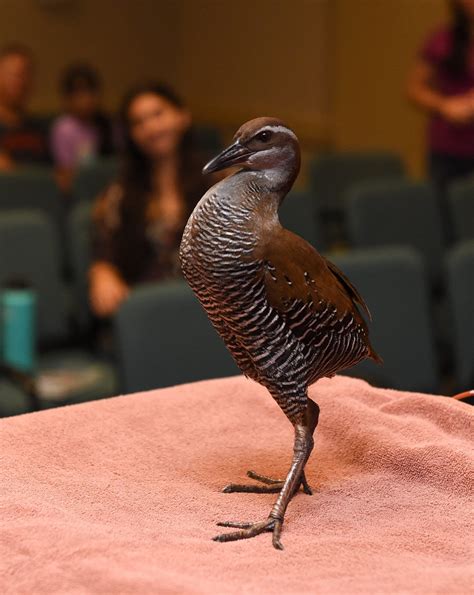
x=122 y=495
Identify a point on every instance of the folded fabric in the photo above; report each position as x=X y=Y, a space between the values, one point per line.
x=122 y=495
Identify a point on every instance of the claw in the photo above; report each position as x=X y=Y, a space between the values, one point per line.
x=276 y=535
x=306 y=487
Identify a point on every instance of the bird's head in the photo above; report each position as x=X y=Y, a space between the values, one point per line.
x=262 y=144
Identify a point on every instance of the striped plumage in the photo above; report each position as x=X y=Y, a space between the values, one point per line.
x=287 y=315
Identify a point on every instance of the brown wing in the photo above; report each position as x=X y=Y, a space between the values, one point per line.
x=351 y=290
x=311 y=294
x=293 y=269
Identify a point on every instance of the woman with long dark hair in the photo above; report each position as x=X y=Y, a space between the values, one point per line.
x=442 y=83
x=139 y=220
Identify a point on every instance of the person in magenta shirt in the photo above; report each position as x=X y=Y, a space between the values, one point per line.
x=442 y=83
x=83 y=132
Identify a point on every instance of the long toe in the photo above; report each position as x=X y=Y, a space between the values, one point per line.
x=264 y=478
x=237 y=525
x=252 y=489
x=248 y=530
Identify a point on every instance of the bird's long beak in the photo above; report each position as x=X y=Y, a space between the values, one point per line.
x=233 y=155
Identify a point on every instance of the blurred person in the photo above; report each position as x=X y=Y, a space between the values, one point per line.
x=23 y=138
x=139 y=220
x=83 y=132
x=442 y=84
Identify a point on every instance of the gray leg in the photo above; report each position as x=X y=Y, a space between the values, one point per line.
x=272 y=485
x=303 y=446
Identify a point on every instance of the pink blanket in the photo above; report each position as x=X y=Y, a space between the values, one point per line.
x=122 y=495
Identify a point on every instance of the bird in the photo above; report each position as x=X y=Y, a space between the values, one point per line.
x=287 y=315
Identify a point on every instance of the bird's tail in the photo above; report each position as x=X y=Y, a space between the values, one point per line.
x=375 y=356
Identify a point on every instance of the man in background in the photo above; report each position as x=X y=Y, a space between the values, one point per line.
x=23 y=138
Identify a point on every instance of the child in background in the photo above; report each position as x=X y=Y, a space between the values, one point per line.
x=83 y=132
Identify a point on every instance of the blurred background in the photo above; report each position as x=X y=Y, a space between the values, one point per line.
x=108 y=111
x=335 y=69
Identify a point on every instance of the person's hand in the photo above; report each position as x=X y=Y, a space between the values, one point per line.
x=107 y=289
x=458 y=109
x=6 y=162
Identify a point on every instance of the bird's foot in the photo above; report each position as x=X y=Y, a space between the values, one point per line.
x=271 y=485
x=248 y=530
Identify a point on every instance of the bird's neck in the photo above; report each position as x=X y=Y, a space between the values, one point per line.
x=278 y=181
x=249 y=200
x=257 y=188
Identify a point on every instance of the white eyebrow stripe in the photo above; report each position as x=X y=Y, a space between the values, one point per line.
x=280 y=129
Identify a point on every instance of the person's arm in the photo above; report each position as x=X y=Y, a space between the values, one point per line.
x=107 y=288
x=422 y=92
x=64 y=177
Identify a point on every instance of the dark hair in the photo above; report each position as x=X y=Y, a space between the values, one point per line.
x=79 y=77
x=135 y=177
x=456 y=60
x=16 y=49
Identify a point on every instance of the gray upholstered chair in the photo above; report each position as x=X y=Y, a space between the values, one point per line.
x=397 y=212
x=299 y=213
x=460 y=268
x=165 y=338
x=392 y=282
x=461 y=202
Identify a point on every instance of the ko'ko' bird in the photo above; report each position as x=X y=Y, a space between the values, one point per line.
x=287 y=315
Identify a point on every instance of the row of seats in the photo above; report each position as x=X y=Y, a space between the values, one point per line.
x=393 y=280
x=165 y=338
x=332 y=177
x=31 y=253
x=388 y=213
x=332 y=174
x=402 y=210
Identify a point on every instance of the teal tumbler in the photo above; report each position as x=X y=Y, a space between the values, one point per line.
x=19 y=328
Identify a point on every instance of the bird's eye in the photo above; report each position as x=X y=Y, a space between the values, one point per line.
x=264 y=136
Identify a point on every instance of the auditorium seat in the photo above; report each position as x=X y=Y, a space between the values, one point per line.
x=461 y=202
x=32 y=188
x=299 y=213
x=460 y=269
x=29 y=253
x=392 y=282
x=397 y=212
x=93 y=178
x=333 y=173
x=165 y=338
x=79 y=249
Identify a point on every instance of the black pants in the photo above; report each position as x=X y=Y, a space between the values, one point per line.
x=443 y=170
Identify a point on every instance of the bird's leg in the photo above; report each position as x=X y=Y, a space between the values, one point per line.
x=272 y=485
x=303 y=446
